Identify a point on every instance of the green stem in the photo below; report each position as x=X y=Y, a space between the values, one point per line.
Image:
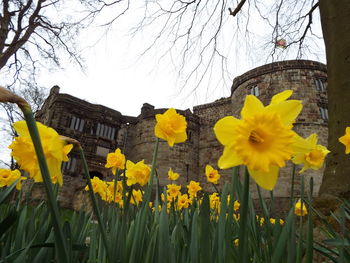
x=292 y=188
x=242 y=247
x=94 y=204
x=115 y=183
x=300 y=244
x=52 y=204
x=153 y=168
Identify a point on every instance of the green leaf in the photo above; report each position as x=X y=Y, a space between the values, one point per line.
x=9 y=220
x=205 y=227
x=4 y=194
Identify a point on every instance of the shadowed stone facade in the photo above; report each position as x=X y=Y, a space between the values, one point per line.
x=101 y=130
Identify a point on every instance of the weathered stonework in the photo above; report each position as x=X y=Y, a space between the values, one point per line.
x=102 y=130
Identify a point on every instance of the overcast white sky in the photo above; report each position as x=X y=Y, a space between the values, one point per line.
x=117 y=78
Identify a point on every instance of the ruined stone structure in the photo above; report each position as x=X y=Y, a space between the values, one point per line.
x=101 y=130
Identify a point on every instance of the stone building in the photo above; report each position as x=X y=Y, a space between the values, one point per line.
x=101 y=130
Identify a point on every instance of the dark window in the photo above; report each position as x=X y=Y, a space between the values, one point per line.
x=97 y=174
x=324 y=113
x=320 y=85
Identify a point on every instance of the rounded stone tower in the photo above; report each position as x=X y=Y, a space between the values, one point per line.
x=308 y=80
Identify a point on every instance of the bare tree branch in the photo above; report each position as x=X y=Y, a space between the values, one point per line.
x=237 y=9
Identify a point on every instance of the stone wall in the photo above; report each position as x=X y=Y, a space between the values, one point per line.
x=210 y=149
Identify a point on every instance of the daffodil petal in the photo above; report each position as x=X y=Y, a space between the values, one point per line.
x=252 y=105
x=224 y=129
x=181 y=137
x=266 y=180
x=282 y=96
x=21 y=128
x=229 y=158
x=288 y=110
x=301 y=145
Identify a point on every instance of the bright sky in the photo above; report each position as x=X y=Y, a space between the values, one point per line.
x=117 y=78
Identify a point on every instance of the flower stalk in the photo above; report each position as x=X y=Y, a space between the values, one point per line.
x=242 y=247
x=94 y=202
x=52 y=204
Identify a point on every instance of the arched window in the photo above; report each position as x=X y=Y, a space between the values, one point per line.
x=97 y=174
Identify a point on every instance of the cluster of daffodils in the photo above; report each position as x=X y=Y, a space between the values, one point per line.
x=108 y=191
x=262 y=140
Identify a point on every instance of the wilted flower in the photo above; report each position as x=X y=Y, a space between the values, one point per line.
x=55 y=151
x=115 y=160
x=346 y=140
x=193 y=188
x=282 y=43
x=308 y=152
x=171 y=127
x=137 y=173
x=297 y=209
x=213 y=175
x=173 y=176
x=262 y=139
x=8 y=177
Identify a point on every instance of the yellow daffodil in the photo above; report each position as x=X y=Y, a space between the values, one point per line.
x=236 y=205
x=262 y=221
x=173 y=190
x=213 y=175
x=236 y=242
x=118 y=187
x=137 y=173
x=8 y=177
x=214 y=201
x=261 y=139
x=308 y=152
x=173 y=176
x=136 y=197
x=115 y=160
x=297 y=209
x=55 y=151
x=346 y=140
x=193 y=188
x=183 y=201
x=98 y=186
x=171 y=127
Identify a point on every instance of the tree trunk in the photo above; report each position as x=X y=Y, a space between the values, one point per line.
x=335 y=20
